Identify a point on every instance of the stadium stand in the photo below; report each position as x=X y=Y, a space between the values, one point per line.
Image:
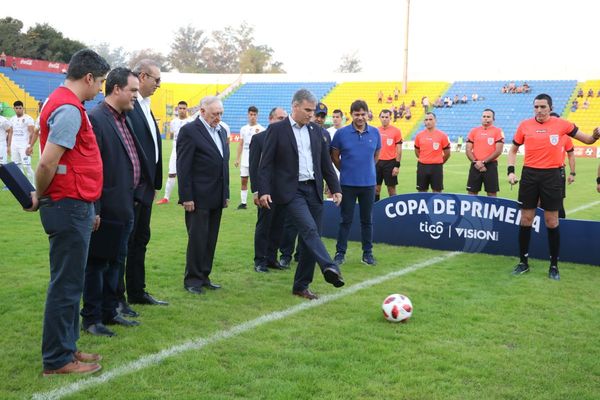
x=265 y=96
x=510 y=108
x=10 y=91
x=345 y=93
x=588 y=119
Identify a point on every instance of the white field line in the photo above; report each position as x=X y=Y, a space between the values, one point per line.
x=196 y=344
x=583 y=207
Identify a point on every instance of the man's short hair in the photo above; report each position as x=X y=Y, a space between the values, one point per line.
x=144 y=66
x=117 y=77
x=302 y=95
x=18 y=103
x=431 y=113
x=338 y=111
x=208 y=100
x=492 y=111
x=182 y=102
x=252 y=109
x=272 y=112
x=385 y=111
x=85 y=62
x=544 y=96
x=358 y=105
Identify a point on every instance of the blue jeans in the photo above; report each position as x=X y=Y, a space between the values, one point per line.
x=68 y=223
x=101 y=280
x=366 y=199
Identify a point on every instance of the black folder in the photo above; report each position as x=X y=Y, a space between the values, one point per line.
x=17 y=182
x=105 y=242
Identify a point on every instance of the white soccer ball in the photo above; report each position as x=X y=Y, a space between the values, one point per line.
x=397 y=308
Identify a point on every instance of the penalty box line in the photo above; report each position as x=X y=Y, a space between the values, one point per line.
x=199 y=343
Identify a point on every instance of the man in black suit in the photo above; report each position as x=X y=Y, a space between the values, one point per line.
x=124 y=168
x=203 y=180
x=265 y=244
x=294 y=162
x=147 y=132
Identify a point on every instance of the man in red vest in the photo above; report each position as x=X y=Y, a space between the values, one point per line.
x=68 y=181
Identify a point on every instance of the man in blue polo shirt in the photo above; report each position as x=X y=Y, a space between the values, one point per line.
x=355 y=151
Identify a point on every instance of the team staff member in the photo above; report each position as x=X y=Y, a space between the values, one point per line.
x=541 y=176
x=432 y=149
x=68 y=181
x=294 y=163
x=355 y=151
x=484 y=146
x=388 y=165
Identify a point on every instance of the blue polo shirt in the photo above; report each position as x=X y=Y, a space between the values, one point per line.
x=357 y=154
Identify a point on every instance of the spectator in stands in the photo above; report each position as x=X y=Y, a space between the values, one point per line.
x=354 y=151
x=519 y=89
x=464 y=99
x=380 y=97
x=389 y=99
x=425 y=103
x=413 y=103
x=598 y=95
x=455 y=100
x=388 y=165
x=585 y=105
x=243 y=152
x=526 y=88
x=541 y=176
x=512 y=87
x=590 y=93
x=580 y=92
x=432 y=149
x=396 y=93
x=474 y=97
x=2 y=60
x=438 y=103
x=574 y=105
x=407 y=114
x=484 y=146
x=446 y=101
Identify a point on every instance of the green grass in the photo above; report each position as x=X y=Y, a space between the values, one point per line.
x=476 y=333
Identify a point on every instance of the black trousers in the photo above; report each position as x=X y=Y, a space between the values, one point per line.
x=133 y=278
x=203 y=231
x=266 y=235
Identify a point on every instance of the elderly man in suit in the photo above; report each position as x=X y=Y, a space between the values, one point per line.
x=203 y=180
x=265 y=243
x=294 y=162
x=124 y=169
x=146 y=131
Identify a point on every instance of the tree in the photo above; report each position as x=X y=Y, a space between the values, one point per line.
x=10 y=35
x=46 y=43
x=350 y=63
x=186 y=50
x=116 y=57
x=223 y=54
x=257 y=60
x=139 y=55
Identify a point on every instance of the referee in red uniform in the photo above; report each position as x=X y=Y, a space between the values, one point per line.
x=541 y=176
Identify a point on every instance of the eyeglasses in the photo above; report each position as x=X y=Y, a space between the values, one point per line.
x=157 y=80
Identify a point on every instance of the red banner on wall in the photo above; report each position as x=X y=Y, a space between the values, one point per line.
x=36 y=65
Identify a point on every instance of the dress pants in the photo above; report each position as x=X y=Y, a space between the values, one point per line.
x=203 y=231
x=366 y=199
x=305 y=210
x=133 y=278
x=68 y=223
x=288 y=239
x=266 y=243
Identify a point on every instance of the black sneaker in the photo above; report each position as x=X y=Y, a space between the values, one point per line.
x=553 y=273
x=520 y=269
x=285 y=262
x=368 y=259
x=242 y=206
x=339 y=258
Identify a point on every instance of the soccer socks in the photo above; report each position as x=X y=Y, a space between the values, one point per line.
x=244 y=196
x=169 y=187
x=554 y=244
x=524 y=238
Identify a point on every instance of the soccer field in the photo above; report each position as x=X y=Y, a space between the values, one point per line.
x=476 y=332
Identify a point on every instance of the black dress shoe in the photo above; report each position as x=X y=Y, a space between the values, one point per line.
x=334 y=277
x=261 y=268
x=275 y=265
x=147 y=299
x=194 y=289
x=285 y=262
x=124 y=309
x=99 y=330
x=306 y=293
x=211 y=286
x=119 y=320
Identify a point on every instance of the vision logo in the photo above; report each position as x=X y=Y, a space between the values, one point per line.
x=477 y=234
x=434 y=230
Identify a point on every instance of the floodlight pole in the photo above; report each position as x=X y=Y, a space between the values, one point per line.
x=405 y=75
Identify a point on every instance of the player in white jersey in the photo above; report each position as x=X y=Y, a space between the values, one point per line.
x=337 y=118
x=176 y=124
x=5 y=128
x=243 y=152
x=19 y=139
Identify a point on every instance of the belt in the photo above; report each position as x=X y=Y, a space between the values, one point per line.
x=306 y=182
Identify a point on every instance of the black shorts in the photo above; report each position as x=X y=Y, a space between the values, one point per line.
x=384 y=169
x=430 y=174
x=543 y=185
x=489 y=178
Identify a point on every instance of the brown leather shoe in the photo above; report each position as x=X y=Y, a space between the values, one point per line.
x=74 y=367
x=306 y=293
x=87 y=357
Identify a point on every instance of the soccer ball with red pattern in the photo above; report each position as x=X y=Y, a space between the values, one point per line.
x=397 y=308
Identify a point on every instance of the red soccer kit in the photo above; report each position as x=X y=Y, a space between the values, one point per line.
x=543 y=145
x=390 y=137
x=431 y=146
x=484 y=141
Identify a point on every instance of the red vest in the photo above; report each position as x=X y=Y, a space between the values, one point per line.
x=79 y=172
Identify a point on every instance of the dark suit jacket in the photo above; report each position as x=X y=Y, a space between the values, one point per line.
x=116 y=202
x=278 y=171
x=256 y=148
x=202 y=173
x=144 y=135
